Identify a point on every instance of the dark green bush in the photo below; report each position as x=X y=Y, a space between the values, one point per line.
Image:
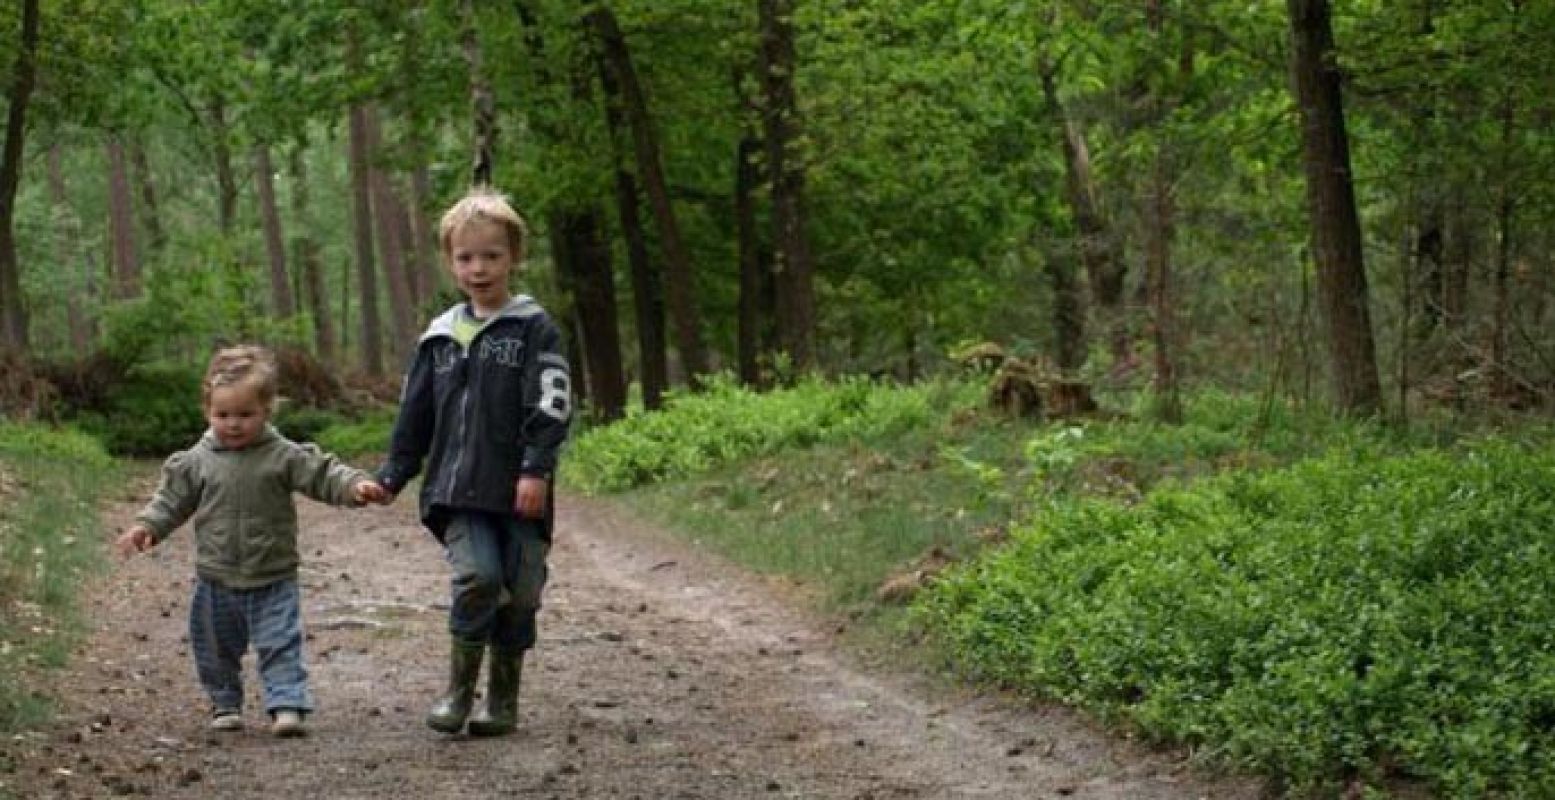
x=154 y=412
x=1349 y=616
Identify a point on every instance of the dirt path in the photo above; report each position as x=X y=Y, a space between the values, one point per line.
x=661 y=673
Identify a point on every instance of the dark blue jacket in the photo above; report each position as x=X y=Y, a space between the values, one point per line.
x=481 y=416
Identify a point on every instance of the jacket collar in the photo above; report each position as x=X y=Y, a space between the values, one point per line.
x=520 y=306
x=209 y=440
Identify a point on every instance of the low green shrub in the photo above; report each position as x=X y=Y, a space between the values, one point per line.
x=361 y=438
x=155 y=411
x=726 y=422
x=1354 y=615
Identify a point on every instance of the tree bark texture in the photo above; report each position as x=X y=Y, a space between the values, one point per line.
x=362 y=230
x=402 y=330
x=593 y=287
x=794 y=264
x=13 y=312
x=680 y=277
x=308 y=261
x=150 y=211
x=1336 y=230
x=647 y=283
x=121 y=223
x=226 y=179
x=282 y=304
x=483 y=105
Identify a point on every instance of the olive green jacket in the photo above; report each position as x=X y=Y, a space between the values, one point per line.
x=245 y=523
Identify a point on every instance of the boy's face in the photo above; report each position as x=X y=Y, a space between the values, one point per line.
x=481 y=259
x=236 y=415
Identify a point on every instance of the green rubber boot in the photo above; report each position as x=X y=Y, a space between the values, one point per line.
x=499 y=717
x=464 y=667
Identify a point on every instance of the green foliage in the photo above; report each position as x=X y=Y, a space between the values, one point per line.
x=306 y=423
x=50 y=480
x=359 y=438
x=727 y=422
x=156 y=411
x=1353 y=614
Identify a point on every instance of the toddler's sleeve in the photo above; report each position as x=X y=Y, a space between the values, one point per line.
x=322 y=476
x=176 y=499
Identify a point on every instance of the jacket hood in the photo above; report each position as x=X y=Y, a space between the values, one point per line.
x=519 y=306
x=209 y=441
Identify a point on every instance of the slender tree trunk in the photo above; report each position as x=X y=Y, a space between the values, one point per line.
x=121 y=223
x=568 y=316
x=1068 y=309
x=1098 y=249
x=226 y=178
x=362 y=227
x=150 y=211
x=384 y=202
x=678 y=270
x=483 y=105
x=647 y=283
x=746 y=179
x=1336 y=230
x=1502 y=376
x=594 y=290
x=81 y=330
x=307 y=259
x=1162 y=229
x=282 y=304
x=13 y=311
x=794 y=264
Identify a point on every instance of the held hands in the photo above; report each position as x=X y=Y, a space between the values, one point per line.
x=529 y=499
x=371 y=492
x=137 y=539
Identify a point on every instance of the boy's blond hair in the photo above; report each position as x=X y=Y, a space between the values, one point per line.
x=247 y=364
x=489 y=206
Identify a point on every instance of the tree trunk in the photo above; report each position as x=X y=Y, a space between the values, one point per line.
x=746 y=179
x=13 y=312
x=362 y=228
x=150 y=211
x=1068 y=309
x=681 y=277
x=1502 y=377
x=1105 y=268
x=647 y=283
x=483 y=106
x=593 y=289
x=1336 y=231
x=81 y=330
x=307 y=259
x=282 y=304
x=121 y=224
x=384 y=202
x=794 y=265
x=1162 y=229
x=226 y=179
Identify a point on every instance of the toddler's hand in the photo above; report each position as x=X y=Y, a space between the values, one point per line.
x=371 y=492
x=529 y=497
x=137 y=539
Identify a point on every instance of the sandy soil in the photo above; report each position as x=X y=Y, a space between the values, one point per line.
x=661 y=672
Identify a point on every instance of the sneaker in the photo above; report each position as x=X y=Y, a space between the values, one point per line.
x=288 y=722
x=226 y=719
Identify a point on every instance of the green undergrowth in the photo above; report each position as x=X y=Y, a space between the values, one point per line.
x=50 y=481
x=1359 y=617
x=1328 y=602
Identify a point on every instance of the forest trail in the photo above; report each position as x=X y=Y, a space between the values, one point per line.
x=662 y=672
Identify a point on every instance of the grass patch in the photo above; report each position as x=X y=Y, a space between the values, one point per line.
x=50 y=481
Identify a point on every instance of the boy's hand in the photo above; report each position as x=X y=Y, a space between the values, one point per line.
x=529 y=498
x=137 y=539
x=371 y=492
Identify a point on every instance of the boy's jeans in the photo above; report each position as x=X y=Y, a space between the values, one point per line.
x=223 y=622
x=498 y=563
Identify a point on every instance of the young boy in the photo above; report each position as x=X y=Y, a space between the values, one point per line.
x=237 y=483
x=486 y=403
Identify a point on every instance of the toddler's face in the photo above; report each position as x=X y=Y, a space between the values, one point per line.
x=236 y=414
x=481 y=259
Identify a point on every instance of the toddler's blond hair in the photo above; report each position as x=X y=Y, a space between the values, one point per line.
x=247 y=364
